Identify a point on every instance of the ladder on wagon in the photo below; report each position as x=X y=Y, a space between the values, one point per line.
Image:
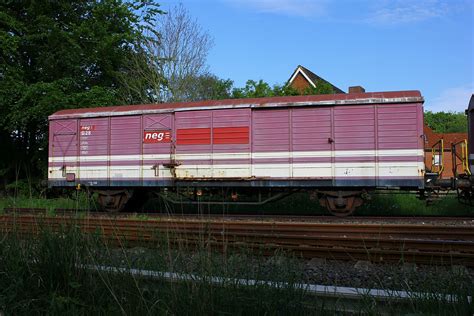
x=434 y=173
x=463 y=181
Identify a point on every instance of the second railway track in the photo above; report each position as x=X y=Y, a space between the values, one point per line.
x=437 y=244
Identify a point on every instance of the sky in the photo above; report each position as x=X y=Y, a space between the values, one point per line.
x=425 y=45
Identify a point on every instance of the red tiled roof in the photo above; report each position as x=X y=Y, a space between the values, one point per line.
x=314 y=78
x=448 y=138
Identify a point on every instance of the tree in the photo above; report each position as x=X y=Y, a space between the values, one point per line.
x=141 y=82
x=321 y=88
x=253 y=89
x=446 y=122
x=180 y=52
x=260 y=89
x=61 y=54
x=209 y=87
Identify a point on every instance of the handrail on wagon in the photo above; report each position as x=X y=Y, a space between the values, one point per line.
x=462 y=158
x=437 y=150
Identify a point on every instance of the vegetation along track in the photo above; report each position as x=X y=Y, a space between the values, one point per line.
x=428 y=244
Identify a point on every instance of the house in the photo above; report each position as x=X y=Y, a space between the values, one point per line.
x=303 y=78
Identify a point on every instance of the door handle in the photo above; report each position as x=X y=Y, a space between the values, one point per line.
x=157 y=170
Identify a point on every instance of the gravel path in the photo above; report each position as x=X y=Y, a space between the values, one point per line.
x=359 y=274
x=387 y=276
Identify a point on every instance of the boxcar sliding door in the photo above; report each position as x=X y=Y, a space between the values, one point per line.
x=63 y=151
x=125 y=151
x=193 y=144
x=312 y=145
x=93 y=158
x=271 y=144
x=158 y=149
x=231 y=155
x=355 y=145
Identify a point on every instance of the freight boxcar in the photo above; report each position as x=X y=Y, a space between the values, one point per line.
x=470 y=133
x=336 y=147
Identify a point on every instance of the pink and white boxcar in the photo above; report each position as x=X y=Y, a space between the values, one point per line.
x=332 y=143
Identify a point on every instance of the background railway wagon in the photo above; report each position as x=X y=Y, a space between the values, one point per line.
x=369 y=139
x=470 y=128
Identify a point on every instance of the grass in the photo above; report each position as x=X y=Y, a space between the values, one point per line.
x=43 y=275
x=405 y=204
x=78 y=201
x=394 y=204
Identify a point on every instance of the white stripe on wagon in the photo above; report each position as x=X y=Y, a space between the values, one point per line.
x=296 y=170
x=247 y=155
x=269 y=165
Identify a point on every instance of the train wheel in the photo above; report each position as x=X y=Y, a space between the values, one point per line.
x=113 y=200
x=341 y=203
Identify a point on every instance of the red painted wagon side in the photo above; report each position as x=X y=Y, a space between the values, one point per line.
x=332 y=143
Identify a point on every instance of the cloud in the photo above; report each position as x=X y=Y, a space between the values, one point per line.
x=452 y=99
x=410 y=11
x=302 y=8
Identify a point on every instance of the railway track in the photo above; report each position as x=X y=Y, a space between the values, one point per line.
x=264 y=217
x=427 y=244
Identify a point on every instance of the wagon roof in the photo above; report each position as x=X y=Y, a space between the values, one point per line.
x=325 y=99
x=471 y=103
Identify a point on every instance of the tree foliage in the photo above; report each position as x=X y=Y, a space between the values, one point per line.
x=209 y=87
x=61 y=54
x=259 y=89
x=321 y=88
x=446 y=122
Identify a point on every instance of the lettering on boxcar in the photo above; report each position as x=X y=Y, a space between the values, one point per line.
x=86 y=130
x=150 y=137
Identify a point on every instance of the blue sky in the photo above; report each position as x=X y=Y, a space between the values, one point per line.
x=424 y=45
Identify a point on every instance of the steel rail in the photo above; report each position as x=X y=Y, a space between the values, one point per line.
x=245 y=216
x=373 y=242
x=463 y=232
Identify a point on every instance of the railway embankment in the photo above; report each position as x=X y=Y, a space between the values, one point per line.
x=43 y=260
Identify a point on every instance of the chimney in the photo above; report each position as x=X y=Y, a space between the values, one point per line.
x=356 y=89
